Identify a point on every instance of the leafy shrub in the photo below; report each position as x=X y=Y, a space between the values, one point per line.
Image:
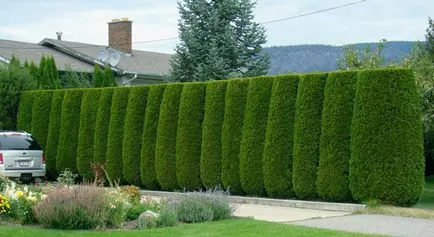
x=4 y=182
x=68 y=138
x=117 y=205
x=78 y=207
x=279 y=137
x=86 y=132
x=53 y=133
x=138 y=207
x=133 y=134
x=147 y=156
x=101 y=125
x=167 y=218
x=332 y=181
x=307 y=131
x=116 y=133
x=189 y=135
x=235 y=101
x=253 y=135
x=40 y=119
x=67 y=177
x=210 y=160
x=165 y=151
x=24 y=121
x=197 y=207
x=387 y=160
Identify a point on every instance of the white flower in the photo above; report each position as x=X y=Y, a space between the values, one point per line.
x=44 y=196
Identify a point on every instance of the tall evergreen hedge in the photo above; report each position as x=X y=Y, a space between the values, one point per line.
x=147 y=156
x=41 y=116
x=86 y=133
x=116 y=133
x=253 y=135
x=24 y=120
x=279 y=137
x=307 y=131
x=53 y=133
x=165 y=150
x=101 y=125
x=69 y=126
x=387 y=161
x=210 y=160
x=133 y=134
x=235 y=102
x=332 y=181
x=189 y=135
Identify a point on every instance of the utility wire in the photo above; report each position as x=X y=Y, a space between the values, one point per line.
x=263 y=23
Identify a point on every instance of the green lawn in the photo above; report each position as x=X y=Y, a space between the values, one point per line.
x=427 y=199
x=227 y=228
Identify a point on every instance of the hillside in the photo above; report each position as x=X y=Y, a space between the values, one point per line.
x=323 y=58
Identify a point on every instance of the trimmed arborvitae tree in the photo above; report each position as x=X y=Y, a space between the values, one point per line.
x=109 y=78
x=235 y=102
x=53 y=133
x=307 y=131
x=210 y=160
x=279 y=137
x=147 y=162
x=42 y=80
x=102 y=125
x=89 y=108
x=189 y=135
x=97 y=77
x=68 y=138
x=132 y=146
x=41 y=116
x=165 y=151
x=116 y=133
x=24 y=122
x=253 y=135
x=387 y=161
x=332 y=181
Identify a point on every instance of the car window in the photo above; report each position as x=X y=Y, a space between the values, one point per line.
x=18 y=142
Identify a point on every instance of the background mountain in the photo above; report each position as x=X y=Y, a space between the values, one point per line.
x=323 y=58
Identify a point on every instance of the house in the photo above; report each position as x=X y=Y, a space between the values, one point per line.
x=132 y=67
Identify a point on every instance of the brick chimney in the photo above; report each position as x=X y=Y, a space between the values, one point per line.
x=119 y=35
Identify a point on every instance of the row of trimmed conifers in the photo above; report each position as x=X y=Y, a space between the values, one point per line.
x=339 y=136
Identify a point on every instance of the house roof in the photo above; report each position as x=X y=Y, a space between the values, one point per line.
x=82 y=57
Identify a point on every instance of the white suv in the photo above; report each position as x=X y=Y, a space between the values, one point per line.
x=21 y=156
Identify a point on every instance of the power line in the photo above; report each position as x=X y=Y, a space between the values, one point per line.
x=263 y=23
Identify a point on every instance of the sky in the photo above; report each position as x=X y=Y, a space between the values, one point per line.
x=86 y=21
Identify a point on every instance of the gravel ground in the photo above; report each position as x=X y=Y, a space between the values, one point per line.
x=375 y=224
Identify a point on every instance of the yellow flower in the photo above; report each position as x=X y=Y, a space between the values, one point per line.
x=32 y=198
x=19 y=193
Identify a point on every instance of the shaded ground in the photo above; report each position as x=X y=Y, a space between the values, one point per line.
x=427 y=199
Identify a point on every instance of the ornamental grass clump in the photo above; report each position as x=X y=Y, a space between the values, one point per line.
x=80 y=207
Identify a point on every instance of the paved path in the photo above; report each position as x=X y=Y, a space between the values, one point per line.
x=375 y=224
x=281 y=214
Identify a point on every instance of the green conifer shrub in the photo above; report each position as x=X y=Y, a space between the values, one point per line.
x=102 y=125
x=253 y=135
x=53 y=133
x=24 y=121
x=189 y=135
x=307 y=131
x=165 y=150
x=210 y=160
x=387 y=162
x=86 y=134
x=115 y=139
x=134 y=121
x=332 y=181
x=235 y=102
x=279 y=137
x=69 y=126
x=41 y=116
x=147 y=162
